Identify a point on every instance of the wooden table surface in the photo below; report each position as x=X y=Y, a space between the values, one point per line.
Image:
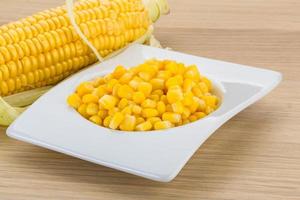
x=256 y=155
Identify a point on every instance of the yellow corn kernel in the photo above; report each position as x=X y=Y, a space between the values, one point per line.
x=107 y=120
x=123 y=103
x=174 y=95
x=187 y=99
x=74 y=100
x=126 y=77
x=159 y=125
x=138 y=97
x=172 y=117
x=84 y=88
x=211 y=100
x=107 y=77
x=175 y=80
x=127 y=110
x=201 y=105
x=199 y=115
x=188 y=84
x=169 y=108
x=165 y=75
x=110 y=84
x=96 y=119
x=149 y=112
x=102 y=114
x=203 y=87
x=164 y=99
x=193 y=107
x=207 y=82
x=177 y=107
x=113 y=111
x=193 y=118
x=99 y=91
x=134 y=83
x=90 y=98
x=192 y=73
x=179 y=123
x=139 y=120
x=92 y=109
x=161 y=107
x=158 y=92
x=186 y=113
x=128 y=124
x=157 y=84
x=119 y=72
x=148 y=103
x=98 y=81
x=153 y=120
x=116 y=89
x=185 y=121
x=197 y=91
x=108 y=101
x=145 y=126
x=154 y=97
x=125 y=91
x=172 y=67
x=145 y=88
x=146 y=76
x=82 y=110
x=136 y=109
x=116 y=120
x=208 y=110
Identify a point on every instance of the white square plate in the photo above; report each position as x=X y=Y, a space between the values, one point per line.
x=157 y=155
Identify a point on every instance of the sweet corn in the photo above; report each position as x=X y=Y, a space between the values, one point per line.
x=161 y=107
x=106 y=121
x=136 y=109
x=116 y=120
x=172 y=117
x=92 y=109
x=125 y=91
x=145 y=88
x=82 y=110
x=149 y=112
x=159 y=125
x=84 y=88
x=148 y=103
x=174 y=95
x=119 y=72
x=153 y=120
x=90 y=98
x=96 y=119
x=127 y=110
x=102 y=114
x=128 y=124
x=108 y=101
x=123 y=103
x=145 y=126
x=173 y=81
x=138 y=97
x=74 y=100
x=44 y=49
x=157 y=83
x=152 y=96
x=140 y=120
x=177 y=107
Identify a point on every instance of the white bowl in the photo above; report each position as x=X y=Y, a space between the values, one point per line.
x=157 y=155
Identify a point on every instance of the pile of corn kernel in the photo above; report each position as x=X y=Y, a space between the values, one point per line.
x=151 y=96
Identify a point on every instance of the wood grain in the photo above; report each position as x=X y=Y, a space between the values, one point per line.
x=256 y=155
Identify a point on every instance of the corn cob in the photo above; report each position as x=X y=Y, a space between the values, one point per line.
x=43 y=49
